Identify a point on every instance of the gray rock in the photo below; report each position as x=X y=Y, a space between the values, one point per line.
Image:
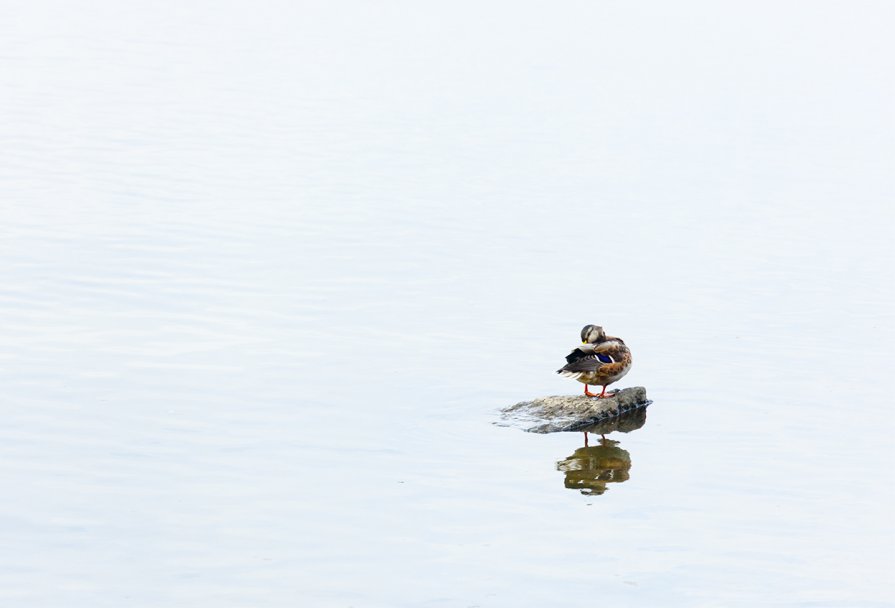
x=575 y=413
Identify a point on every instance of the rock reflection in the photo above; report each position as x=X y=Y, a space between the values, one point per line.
x=625 y=423
x=591 y=468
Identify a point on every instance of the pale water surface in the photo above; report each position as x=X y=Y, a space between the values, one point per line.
x=269 y=270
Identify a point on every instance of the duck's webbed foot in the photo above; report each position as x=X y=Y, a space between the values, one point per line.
x=602 y=394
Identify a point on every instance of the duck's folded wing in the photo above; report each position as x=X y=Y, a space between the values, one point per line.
x=585 y=363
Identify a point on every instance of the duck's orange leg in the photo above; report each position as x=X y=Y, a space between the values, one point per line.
x=600 y=396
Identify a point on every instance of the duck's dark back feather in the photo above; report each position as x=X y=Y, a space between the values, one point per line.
x=575 y=355
x=586 y=363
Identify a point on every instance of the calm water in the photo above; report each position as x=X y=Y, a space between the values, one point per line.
x=270 y=270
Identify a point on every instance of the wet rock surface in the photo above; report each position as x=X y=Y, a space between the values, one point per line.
x=577 y=413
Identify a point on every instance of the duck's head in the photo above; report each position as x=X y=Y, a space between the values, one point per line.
x=591 y=334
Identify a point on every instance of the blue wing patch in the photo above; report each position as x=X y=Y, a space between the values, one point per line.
x=604 y=358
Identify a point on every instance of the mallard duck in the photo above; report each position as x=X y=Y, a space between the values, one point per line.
x=600 y=360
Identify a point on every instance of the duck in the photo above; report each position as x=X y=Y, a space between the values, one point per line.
x=599 y=361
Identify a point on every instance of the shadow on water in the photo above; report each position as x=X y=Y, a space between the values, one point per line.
x=590 y=468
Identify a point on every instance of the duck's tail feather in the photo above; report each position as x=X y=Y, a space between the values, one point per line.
x=567 y=374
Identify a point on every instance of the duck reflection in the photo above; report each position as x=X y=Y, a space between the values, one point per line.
x=591 y=468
